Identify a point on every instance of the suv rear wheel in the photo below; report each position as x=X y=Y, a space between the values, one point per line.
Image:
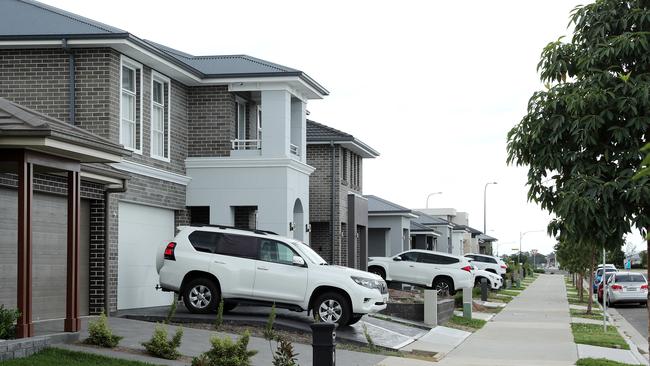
x=332 y=307
x=444 y=286
x=201 y=296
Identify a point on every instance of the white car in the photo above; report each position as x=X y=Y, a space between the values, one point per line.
x=488 y=263
x=627 y=287
x=441 y=271
x=495 y=281
x=206 y=264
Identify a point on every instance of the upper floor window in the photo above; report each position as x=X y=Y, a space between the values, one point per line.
x=259 y=122
x=160 y=116
x=240 y=119
x=131 y=105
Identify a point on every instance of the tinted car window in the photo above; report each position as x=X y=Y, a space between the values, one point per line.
x=436 y=259
x=490 y=259
x=204 y=241
x=238 y=246
x=273 y=251
x=630 y=278
x=410 y=256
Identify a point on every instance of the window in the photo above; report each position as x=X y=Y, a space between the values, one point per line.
x=160 y=115
x=204 y=241
x=238 y=246
x=131 y=105
x=437 y=259
x=632 y=277
x=240 y=119
x=259 y=123
x=276 y=252
x=345 y=164
x=410 y=256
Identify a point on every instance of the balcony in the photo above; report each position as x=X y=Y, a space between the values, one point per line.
x=294 y=150
x=244 y=148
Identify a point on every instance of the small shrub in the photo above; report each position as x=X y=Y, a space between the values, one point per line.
x=269 y=334
x=172 y=310
x=162 y=347
x=218 y=322
x=8 y=318
x=100 y=334
x=225 y=352
x=285 y=355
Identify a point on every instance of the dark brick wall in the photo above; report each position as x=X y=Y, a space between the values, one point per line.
x=211 y=113
x=97 y=262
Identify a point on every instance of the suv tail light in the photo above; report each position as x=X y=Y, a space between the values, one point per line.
x=644 y=287
x=169 y=251
x=467 y=268
x=504 y=266
x=616 y=287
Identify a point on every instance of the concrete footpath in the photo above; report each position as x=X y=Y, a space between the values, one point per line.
x=534 y=329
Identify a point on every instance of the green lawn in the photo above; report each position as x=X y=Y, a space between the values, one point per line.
x=597 y=315
x=509 y=292
x=599 y=362
x=56 y=357
x=576 y=300
x=594 y=335
x=475 y=324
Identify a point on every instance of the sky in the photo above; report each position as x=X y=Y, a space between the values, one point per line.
x=434 y=86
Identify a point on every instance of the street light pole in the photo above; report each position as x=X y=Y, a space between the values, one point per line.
x=429 y=196
x=485 y=206
x=521 y=235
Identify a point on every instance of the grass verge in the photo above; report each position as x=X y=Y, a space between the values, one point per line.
x=599 y=362
x=596 y=315
x=470 y=325
x=576 y=300
x=593 y=334
x=509 y=292
x=56 y=357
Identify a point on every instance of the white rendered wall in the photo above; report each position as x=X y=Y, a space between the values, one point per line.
x=396 y=224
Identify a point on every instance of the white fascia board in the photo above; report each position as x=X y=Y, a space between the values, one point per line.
x=147 y=171
x=288 y=83
x=100 y=178
x=210 y=162
x=61 y=148
x=424 y=233
x=357 y=195
x=350 y=145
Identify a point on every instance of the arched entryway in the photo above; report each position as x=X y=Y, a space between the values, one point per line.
x=298 y=220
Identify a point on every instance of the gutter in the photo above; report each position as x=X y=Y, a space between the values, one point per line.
x=71 y=82
x=107 y=193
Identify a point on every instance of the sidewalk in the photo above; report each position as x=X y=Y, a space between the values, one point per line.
x=533 y=329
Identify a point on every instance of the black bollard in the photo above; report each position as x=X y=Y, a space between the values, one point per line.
x=323 y=344
x=484 y=289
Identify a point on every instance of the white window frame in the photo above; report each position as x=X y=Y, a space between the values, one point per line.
x=157 y=77
x=258 y=116
x=135 y=66
x=239 y=102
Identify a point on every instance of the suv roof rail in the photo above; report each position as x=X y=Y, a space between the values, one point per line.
x=256 y=231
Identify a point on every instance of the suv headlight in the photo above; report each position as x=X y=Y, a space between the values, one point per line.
x=368 y=282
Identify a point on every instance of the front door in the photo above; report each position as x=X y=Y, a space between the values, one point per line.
x=276 y=277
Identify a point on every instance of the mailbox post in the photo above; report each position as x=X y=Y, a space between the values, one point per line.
x=484 y=289
x=323 y=344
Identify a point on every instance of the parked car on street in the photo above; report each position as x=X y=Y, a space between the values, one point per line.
x=627 y=287
x=444 y=272
x=495 y=281
x=206 y=264
x=609 y=268
x=488 y=263
x=600 y=286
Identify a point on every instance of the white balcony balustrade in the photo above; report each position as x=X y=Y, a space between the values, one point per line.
x=294 y=149
x=246 y=144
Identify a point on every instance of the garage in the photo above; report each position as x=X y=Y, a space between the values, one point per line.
x=143 y=232
x=49 y=254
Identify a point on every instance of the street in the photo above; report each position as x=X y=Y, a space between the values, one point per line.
x=635 y=315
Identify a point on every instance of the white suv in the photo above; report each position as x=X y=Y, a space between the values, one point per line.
x=206 y=264
x=488 y=263
x=443 y=272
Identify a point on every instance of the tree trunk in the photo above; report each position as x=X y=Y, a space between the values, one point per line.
x=580 y=287
x=591 y=280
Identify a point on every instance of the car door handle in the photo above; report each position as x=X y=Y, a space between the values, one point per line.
x=412 y=266
x=219 y=262
x=262 y=268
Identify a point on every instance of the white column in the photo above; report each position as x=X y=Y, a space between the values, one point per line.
x=276 y=107
x=299 y=127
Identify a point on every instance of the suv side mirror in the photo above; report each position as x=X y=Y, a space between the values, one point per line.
x=397 y=259
x=298 y=261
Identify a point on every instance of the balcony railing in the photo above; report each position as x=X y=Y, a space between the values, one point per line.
x=246 y=144
x=294 y=149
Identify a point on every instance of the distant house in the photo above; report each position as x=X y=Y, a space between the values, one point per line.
x=423 y=237
x=389 y=227
x=338 y=211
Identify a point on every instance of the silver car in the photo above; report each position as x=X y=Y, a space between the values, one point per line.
x=627 y=287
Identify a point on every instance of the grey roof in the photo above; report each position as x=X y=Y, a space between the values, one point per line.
x=318 y=132
x=380 y=205
x=29 y=20
x=484 y=237
x=417 y=227
x=16 y=120
x=425 y=219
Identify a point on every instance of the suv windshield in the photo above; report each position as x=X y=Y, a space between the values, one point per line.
x=310 y=253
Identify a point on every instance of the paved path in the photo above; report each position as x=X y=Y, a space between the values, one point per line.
x=532 y=330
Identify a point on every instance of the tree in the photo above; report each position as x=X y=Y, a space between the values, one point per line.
x=616 y=256
x=644 y=258
x=582 y=137
x=572 y=259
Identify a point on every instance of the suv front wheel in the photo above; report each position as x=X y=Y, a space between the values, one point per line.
x=201 y=296
x=332 y=307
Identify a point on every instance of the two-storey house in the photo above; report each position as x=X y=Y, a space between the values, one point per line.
x=211 y=139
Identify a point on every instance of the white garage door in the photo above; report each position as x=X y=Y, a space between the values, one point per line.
x=143 y=231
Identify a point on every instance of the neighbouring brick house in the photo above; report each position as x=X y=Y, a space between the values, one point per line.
x=193 y=129
x=338 y=159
